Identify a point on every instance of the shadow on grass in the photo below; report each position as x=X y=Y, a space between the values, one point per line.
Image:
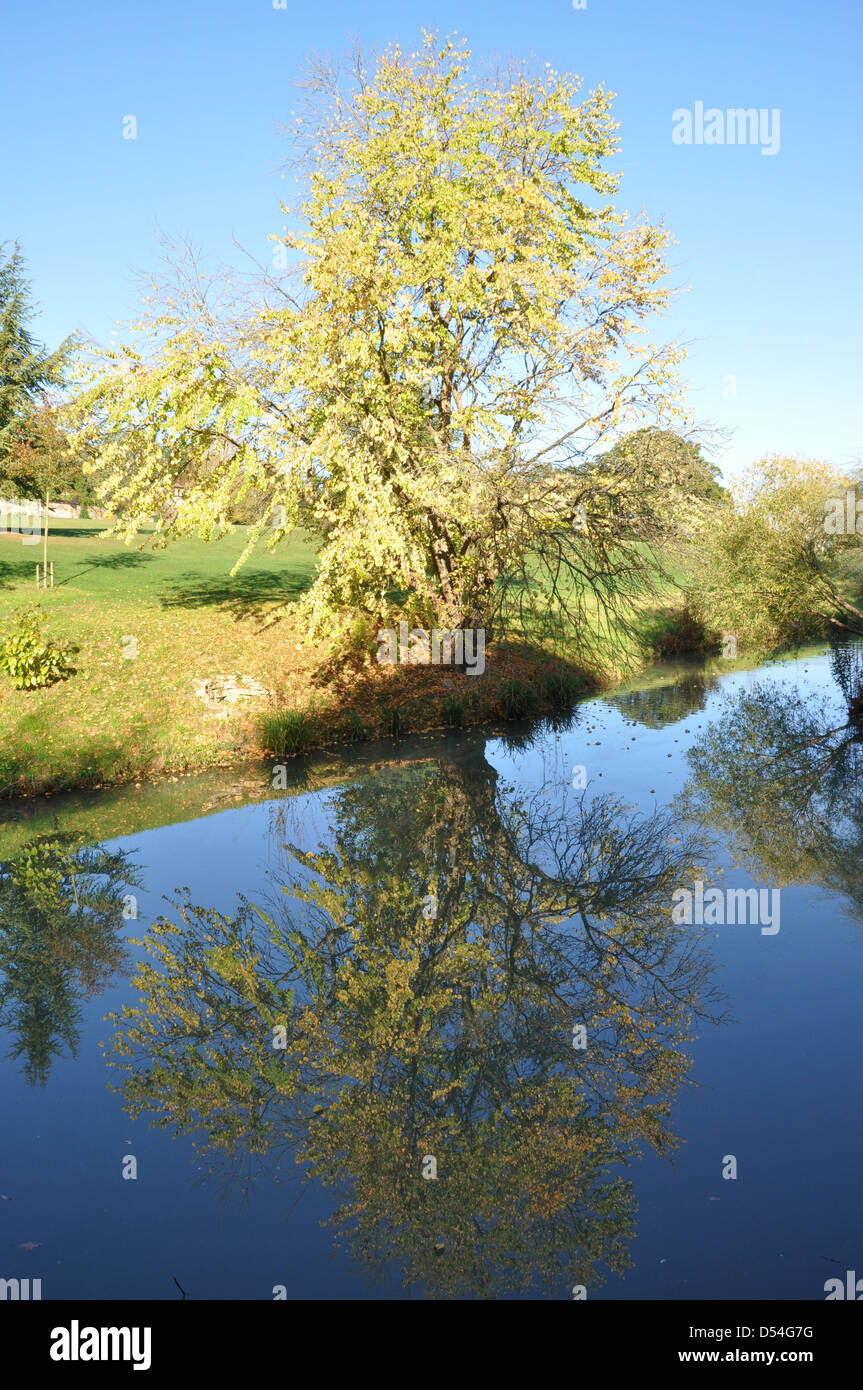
x=12 y=572
x=251 y=595
x=109 y=562
x=84 y=532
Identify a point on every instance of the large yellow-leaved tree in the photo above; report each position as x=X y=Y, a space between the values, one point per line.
x=438 y=391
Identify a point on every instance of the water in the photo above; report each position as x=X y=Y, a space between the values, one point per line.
x=456 y=954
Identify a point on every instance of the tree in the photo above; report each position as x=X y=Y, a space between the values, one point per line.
x=660 y=701
x=27 y=370
x=41 y=460
x=35 y=454
x=673 y=454
x=772 y=564
x=468 y=328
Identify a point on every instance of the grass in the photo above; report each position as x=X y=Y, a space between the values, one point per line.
x=616 y=650
x=153 y=626
x=518 y=699
x=352 y=729
x=559 y=689
x=285 y=733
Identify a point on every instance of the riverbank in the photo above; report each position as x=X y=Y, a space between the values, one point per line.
x=665 y=692
x=177 y=670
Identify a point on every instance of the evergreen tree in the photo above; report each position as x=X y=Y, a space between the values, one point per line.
x=27 y=369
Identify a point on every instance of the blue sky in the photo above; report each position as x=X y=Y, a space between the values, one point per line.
x=768 y=246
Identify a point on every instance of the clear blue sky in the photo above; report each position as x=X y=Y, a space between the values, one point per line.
x=769 y=246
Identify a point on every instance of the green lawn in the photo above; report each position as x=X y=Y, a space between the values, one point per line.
x=188 y=574
x=184 y=619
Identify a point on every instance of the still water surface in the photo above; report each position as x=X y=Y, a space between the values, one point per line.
x=458 y=949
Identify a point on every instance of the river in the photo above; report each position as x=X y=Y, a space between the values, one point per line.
x=463 y=1016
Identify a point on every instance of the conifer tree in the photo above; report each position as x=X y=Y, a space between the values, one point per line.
x=27 y=369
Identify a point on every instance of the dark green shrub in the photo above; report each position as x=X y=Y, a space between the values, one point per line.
x=352 y=727
x=517 y=700
x=679 y=634
x=395 y=721
x=361 y=638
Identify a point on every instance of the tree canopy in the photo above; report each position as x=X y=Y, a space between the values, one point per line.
x=676 y=456
x=468 y=326
x=41 y=460
x=60 y=916
x=771 y=567
x=779 y=776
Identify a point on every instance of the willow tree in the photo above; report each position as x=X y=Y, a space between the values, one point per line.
x=467 y=330
x=782 y=564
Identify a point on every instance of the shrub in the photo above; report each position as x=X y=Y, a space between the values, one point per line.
x=395 y=721
x=284 y=733
x=766 y=566
x=679 y=634
x=32 y=659
x=361 y=638
x=559 y=689
x=517 y=699
x=453 y=712
x=352 y=726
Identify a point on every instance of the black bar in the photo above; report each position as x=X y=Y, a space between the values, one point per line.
x=224 y=1338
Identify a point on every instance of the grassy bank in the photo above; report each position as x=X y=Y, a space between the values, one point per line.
x=153 y=626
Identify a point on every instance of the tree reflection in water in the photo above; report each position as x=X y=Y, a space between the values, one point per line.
x=668 y=701
x=425 y=975
x=780 y=778
x=60 y=914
